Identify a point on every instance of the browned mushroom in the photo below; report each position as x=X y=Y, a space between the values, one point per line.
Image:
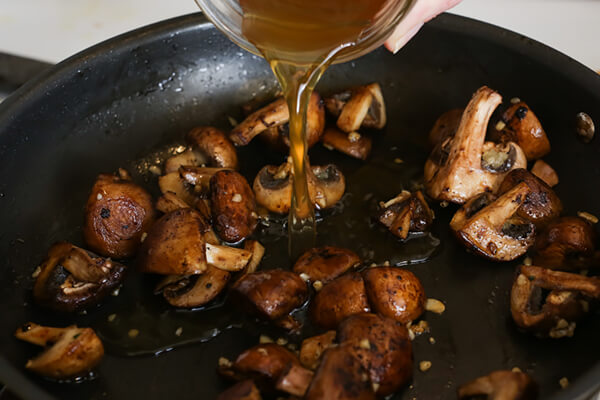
x=341 y=376
x=193 y=290
x=294 y=380
x=244 y=390
x=325 y=263
x=209 y=147
x=70 y=352
x=382 y=346
x=553 y=314
x=312 y=348
x=170 y=202
x=276 y=115
x=233 y=206
x=353 y=144
x=340 y=298
x=445 y=127
x=271 y=295
x=117 y=213
x=258 y=251
x=500 y=385
x=71 y=278
x=395 y=293
x=181 y=243
x=190 y=185
x=520 y=125
x=545 y=172
x=567 y=243
x=406 y=213
x=493 y=230
x=273 y=186
x=471 y=166
x=541 y=204
x=362 y=106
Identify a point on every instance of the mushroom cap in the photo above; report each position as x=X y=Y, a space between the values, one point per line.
x=273 y=188
x=244 y=390
x=312 y=348
x=117 y=213
x=500 y=385
x=326 y=185
x=72 y=278
x=72 y=352
x=358 y=148
x=194 y=290
x=362 y=106
x=214 y=146
x=325 y=263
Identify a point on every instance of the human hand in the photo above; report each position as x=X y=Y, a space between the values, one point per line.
x=422 y=11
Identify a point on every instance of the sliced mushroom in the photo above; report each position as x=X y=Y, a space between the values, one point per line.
x=340 y=376
x=541 y=204
x=191 y=185
x=214 y=146
x=72 y=278
x=271 y=295
x=184 y=159
x=294 y=380
x=383 y=347
x=179 y=243
x=395 y=293
x=258 y=251
x=170 y=202
x=500 y=385
x=495 y=232
x=71 y=351
x=173 y=184
x=567 y=243
x=520 y=125
x=189 y=291
x=353 y=144
x=552 y=314
x=312 y=348
x=117 y=213
x=244 y=390
x=340 y=298
x=325 y=263
x=445 y=127
x=264 y=363
x=545 y=172
x=275 y=115
x=471 y=166
x=406 y=213
x=233 y=206
x=359 y=107
x=273 y=187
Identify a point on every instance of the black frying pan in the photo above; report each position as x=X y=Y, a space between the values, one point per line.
x=126 y=101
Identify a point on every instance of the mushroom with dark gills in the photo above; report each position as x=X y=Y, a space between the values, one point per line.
x=360 y=107
x=500 y=385
x=467 y=165
x=70 y=352
x=406 y=213
x=490 y=227
x=117 y=214
x=71 y=278
x=548 y=303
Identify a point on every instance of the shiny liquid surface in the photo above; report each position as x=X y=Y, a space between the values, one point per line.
x=300 y=39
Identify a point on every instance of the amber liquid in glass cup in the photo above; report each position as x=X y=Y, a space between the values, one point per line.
x=300 y=39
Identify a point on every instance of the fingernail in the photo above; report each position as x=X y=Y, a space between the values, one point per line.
x=405 y=39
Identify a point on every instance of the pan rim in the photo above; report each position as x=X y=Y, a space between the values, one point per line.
x=581 y=76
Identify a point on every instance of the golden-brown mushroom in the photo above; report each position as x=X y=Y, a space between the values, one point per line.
x=326 y=185
x=494 y=231
x=179 y=243
x=500 y=385
x=189 y=291
x=72 y=278
x=275 y=115
x=353 y=144
x=258 y=251
x=395 y=293
x=117 y=213
x=553 y=314
x=325 y=263
x=70 y=352
x=541 y=204
x=445 y=127
x=383 y=347
x=233 y=206
x=406 y=213
x=244 y=390
x=567 y=243
x=271 y=295
x=170 y=202
x=472 y=165
x=340 y=298
x=341 y=376
x=362 y=106
x=545 y=172
x=294 y=380
x=520 y=125
x=312 y=348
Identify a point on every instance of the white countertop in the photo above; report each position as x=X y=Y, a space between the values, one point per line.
x=51 y=30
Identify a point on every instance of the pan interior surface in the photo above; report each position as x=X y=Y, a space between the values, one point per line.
x=128 y=103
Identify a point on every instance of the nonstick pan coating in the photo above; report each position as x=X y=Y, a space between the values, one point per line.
x=124 y=101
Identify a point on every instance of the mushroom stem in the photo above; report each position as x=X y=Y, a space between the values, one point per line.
x=227 y=258
x=295 y=380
